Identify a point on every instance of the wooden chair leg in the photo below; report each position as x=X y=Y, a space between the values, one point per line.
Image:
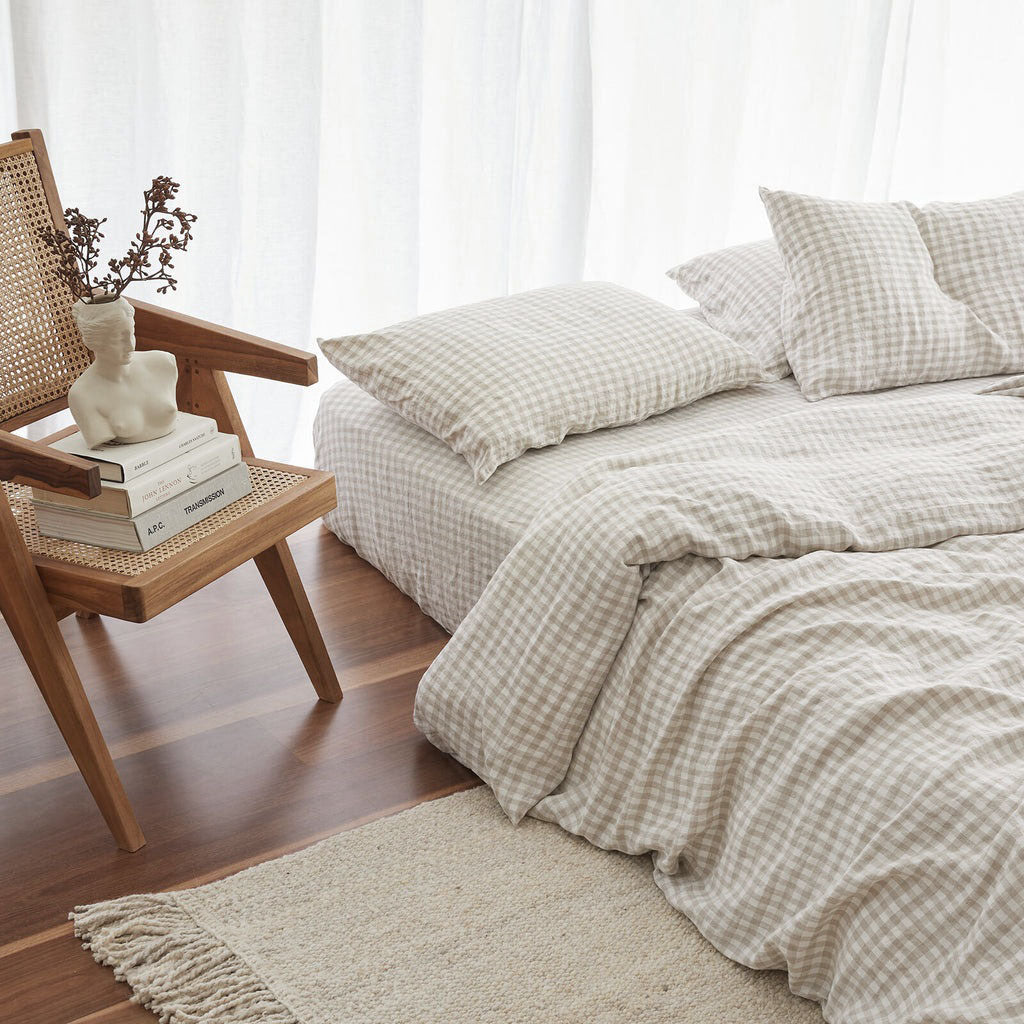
x=33 y=623
x=206 y=392
x=277 y=567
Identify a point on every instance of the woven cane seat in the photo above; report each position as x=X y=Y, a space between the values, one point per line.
x=283 y=499
x=266 y=484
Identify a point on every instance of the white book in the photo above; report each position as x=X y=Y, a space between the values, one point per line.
x=123 y=462
x=158 y=485
x=153 y=526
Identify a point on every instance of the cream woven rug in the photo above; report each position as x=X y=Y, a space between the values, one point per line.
x=445 y=913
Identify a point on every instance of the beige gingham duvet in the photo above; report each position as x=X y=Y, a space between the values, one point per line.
x=790 y=664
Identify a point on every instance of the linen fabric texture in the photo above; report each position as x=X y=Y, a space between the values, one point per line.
x=861 y=307
x=410 y=506
x=785 y=662
x=496 y=378
x=977 y=249
x=740 y=294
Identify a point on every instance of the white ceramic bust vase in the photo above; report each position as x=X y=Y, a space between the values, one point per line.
x=124 y=395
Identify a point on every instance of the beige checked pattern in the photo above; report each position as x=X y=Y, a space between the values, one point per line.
x=978 y=252
x=787 y=662
x=1011 y=387
x=740 y=294
x=861 y=307
x=410 y=506
x=496 y=378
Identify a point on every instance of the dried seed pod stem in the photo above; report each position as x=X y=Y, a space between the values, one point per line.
x=150 y=257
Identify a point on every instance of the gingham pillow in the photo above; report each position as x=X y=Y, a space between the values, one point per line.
x=978 y=252
x=861 y=309
x=740 y=294
x=498 y=377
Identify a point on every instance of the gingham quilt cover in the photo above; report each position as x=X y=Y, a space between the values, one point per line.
x=790 y=665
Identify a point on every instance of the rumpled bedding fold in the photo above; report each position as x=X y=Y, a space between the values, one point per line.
x=1012 y=387
x=789 y=665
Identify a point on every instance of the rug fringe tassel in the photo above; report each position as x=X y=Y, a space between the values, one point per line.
x=176 y=969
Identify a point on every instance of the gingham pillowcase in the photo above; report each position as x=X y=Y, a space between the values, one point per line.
x=496 y=378
x=740 y=294
x=978 y=252
x=861 y=308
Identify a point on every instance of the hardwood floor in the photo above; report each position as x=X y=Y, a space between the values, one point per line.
x=225 y=752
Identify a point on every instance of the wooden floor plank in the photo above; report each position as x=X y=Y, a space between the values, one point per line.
x=75 y=985
x=228 y=759
x=121 y=1013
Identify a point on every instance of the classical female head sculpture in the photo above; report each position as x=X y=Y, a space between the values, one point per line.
x=124 y=396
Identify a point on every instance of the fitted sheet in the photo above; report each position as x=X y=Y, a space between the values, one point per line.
x=410 y=506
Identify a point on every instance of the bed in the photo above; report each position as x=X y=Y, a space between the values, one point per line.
x=774 y=642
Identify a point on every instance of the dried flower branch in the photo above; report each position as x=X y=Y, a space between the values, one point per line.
x=165 y=231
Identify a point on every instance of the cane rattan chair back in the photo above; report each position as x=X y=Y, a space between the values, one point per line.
x=41 y=351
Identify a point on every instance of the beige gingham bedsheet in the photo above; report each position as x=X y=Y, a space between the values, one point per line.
x=789 y=663
x=410 y=506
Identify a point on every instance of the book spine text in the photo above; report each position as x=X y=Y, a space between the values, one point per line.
x=196 y=504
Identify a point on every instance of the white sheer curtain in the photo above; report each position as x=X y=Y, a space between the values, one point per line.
x=354 y=162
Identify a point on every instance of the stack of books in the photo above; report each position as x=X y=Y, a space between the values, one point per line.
x=152 y=490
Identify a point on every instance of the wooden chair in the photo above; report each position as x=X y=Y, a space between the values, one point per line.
x=42 y=579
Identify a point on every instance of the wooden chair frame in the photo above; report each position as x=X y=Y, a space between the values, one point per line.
x=37 y=591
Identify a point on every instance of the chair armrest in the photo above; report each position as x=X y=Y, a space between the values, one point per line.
x=26 y=462
x=220 y=348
